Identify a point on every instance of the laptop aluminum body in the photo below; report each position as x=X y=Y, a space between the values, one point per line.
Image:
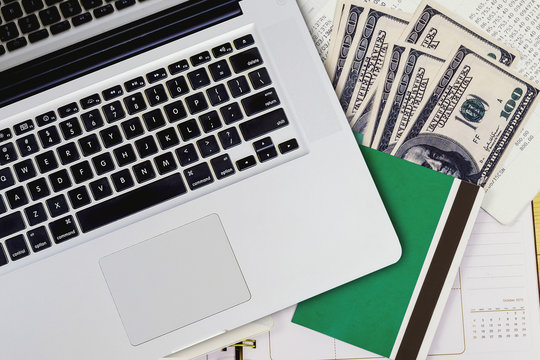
x=217 y=257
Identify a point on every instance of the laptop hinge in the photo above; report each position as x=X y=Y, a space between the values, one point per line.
x=113 y=46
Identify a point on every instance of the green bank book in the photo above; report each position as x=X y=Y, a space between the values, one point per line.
x=394 y=312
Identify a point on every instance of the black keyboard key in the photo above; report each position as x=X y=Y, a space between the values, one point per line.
x=220 y=70
x=178 y=67
x=127 y=204
x=246 y=60
x=165 y=163
x=210 y=121
x=52 y=2
x=49 y=137
x=231 y=113
x=79 y=197
x=16 y=44
x=259 y=78
x=178 y=86
x=122 y=180
x=39 y=239
x=27 y=145
x=146 y=146
x=24 y=127
x=196 y=103
x=187 y=155
x=229 y=138
x=135 y=103
x=45 y=119
x=217 y=94
x=124 y=155
x=46 y=162
x=68 y=110
x=260 y=102
x=68 y=153
x=6 y=178
x=90 y=4
x=198 y=78
x=114 y=111
x=246 y=163
x=156 y=95
x=60 y=180
x=25 y=170
x=35 y=214
x=3 y=207
x=288 y=146
x=70 y=8
x=2 y=50
x=70 y=128
x=103 y=163
x=263 y=124
x=113 y=92
x=111 y=136
x=134 y=84
x=60 y=27
x=81 y=19
x=12 y=11
x=100 y=189
x=92 y=120
x=189 y=130
x=57 y=205
x=144 y=171
x=10 y=224
x=63 y=229
x=265 y=149
x=17 y=248
x=16 y=197
x=154 y=119
x=175 y=111
x=39 y=35
x=8 y=32
x=28 y=24
x=201 y=58
x=222 y=50
x=244 y=41
x=156 y=75
x=222 y=166
x=3 y=257
x=198 y=176
x=38 y=189
x=49 y=16
x=122 y=4
x=167 y=138
x=238 y=86
x=104 y=10
x=90 y=101
x=5 y=134
x=89 y=145
x=32 y=5
x=208 y=146
x=7 y=154
x=132 y=128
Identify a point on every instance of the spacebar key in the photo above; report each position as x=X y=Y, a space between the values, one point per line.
x=130 y=203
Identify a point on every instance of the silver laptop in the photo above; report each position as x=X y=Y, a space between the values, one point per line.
x=183 y=171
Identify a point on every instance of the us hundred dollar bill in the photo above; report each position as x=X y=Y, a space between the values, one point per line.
x=470 y=118
x=416 y=73
x=351 y=18
x=369 y=49
x=440 y=30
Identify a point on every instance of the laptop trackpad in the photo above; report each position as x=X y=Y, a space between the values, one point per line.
x=174 y=279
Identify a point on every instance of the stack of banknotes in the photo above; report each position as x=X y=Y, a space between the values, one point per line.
x=428 y=88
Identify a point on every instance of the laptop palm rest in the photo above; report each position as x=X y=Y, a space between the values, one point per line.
x=174 y=279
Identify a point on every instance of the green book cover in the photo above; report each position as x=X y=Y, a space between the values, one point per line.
x=394 y=312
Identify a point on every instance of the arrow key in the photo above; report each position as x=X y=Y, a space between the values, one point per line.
x=246 y=163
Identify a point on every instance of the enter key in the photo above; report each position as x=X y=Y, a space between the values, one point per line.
x=260 y=102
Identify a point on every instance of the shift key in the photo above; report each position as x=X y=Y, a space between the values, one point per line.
x=264 y=124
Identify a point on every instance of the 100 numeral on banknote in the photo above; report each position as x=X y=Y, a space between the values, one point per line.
x=468 y=121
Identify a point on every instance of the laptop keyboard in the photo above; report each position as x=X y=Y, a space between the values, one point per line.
x=126 y=148
x=29 y=21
